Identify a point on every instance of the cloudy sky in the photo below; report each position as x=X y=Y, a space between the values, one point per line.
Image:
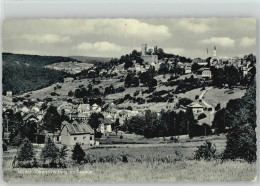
x=115 y=37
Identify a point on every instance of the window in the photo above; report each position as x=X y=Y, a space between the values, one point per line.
x=90 y=137
x=75 y=138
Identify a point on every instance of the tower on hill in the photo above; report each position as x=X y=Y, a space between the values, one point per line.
x=144 y=48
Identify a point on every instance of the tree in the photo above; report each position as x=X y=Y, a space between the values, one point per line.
x=94 y=120
x=50 y=152
x=219 y=123
x=241 y=137
x=233 y=76
x=78 y=153
x=128 y=80
x=217 y=107
x=135 y=81
x=52 y=120
x=26 y=151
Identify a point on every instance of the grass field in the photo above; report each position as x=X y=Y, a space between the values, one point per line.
x=172 y=162
x=222 y=96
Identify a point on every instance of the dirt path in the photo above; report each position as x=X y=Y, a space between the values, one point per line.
x=205 y=103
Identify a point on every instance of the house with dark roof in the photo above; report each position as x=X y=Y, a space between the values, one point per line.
x=75 y=132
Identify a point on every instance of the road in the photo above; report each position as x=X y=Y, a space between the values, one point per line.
x=204 y=102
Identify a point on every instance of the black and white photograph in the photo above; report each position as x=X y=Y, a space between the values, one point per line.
x=129 y=100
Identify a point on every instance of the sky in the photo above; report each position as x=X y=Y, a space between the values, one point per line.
x=189 y=37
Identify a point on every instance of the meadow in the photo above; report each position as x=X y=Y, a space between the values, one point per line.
x=169 y=162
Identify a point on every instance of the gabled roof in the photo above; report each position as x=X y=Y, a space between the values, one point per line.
x=29 y=115
x=195 y=105
x=78 y=128
x=106 y=121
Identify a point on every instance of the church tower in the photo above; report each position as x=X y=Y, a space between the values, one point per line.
x=215 y=52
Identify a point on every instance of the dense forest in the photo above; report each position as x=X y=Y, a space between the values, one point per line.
x=23 y=73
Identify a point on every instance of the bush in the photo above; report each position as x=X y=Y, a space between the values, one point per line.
x=4 y=146
x=197 y=97
x=206 y=151
x=209 y=109
x=201 y=116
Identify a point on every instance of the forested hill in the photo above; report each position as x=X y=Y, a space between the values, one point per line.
x=35 y=60
x=23 y=73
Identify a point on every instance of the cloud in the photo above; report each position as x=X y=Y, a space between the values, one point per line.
x=222 y=41
x=247 y=42
x=194 y=27
x=127 y=28
x=176 y=51
x=46 y=38
x=100 y=46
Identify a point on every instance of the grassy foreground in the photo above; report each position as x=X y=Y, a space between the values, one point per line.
x=182 y=171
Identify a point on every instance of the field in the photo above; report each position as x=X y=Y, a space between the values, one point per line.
x=222 y=96
x=159 y=162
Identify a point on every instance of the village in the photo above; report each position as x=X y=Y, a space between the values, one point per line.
x=77 y=111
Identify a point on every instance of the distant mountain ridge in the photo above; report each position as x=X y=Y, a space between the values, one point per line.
x=89 y=59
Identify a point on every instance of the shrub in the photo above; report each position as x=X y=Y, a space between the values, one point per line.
x=26 y=151
x=78 y=153
x=201 y=116
x=209 y=109
x=206 y=151
x=197 y=97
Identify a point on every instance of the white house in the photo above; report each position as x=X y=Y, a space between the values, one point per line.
x=196 y=108
x=105 y=126
x=72 y=133
x=83 y=108
x=95 y=108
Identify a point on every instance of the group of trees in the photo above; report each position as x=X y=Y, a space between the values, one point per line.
x=167 y=123
x=131 y=80
x=238 y=119
x=51 y=155
x=129 y=58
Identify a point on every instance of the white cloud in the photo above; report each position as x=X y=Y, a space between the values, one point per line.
x=100 y=46
x=247 y=42
x=194 y=27
x=127 y=28
x=221 y=41
x=46 y=38
x=176 y=51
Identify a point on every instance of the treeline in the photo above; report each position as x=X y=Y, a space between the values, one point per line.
x=167 y=123
x=34 y=60
x=21 y=78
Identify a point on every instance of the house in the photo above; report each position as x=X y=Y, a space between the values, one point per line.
x=204 y=72
x=95 y=108
x=187 y=69
x=84 y=108
x=105 y=125
x=9 y=94
x=35 y=109
x=196 y=108
x=72 y=133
